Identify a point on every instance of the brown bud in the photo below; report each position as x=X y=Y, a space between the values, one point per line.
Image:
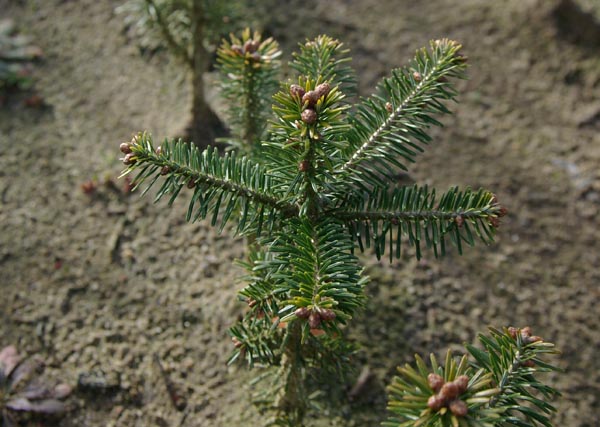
x=297 y=91
x=528 y=364
x=125 y=148
x=158 y=150
x=302 y=312
x=237 y=49
x=237 y=343
x=309 y=116
x=459 y=220
x=250 y=46
x=251 y=302
x=165 y=170
x=323 y=90
x=314 y=320
x=461 y=58
x=191 y=183
x=304 y=165
x=533 y=339
x=458 y=408
x=449 y=391
x=129 y=159
x=327 y=314
x=512 y=331
x=435 y=382
x=526 y=332
x=311 y=97
x=417 y=76
x=462 y=381
x=502 y=212
x=495 y=221
x=435 y=402
x=389 y=107
x=255 y=56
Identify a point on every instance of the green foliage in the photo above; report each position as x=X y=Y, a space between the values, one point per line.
x=248 y=68
x=321 y=187
x=170 y=23
x=326 y=59
x=500 y=386
x=389 y=128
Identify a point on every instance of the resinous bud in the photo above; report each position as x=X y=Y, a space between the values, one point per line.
x=314 y=320
x=323 y=90
x=302 y=312
x=458 y=408
x=125 y=148
x=297 y=91
x=309 y=116
x=435 y=381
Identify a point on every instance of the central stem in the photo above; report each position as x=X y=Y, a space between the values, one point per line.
x=249 y=130
x=311 y=198
x=205 y=125
x=292 y=405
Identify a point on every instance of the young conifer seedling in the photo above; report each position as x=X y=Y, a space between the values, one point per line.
x=499 y=388
x=320 y=185
x=189 y=29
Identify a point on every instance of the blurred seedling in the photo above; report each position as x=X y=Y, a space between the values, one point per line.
x=17 y=55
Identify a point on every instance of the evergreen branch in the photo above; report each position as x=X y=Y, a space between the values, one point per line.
x=325 y=59
x=443 y=395
x=321 y=278
x=391 y=124
x=237 y=183
x=297 y=148
x=513 y=356
x=248 y=68
x=256 y=339
x=384 y=216
x=493 y=391
x=161 y=21
x=261 y=292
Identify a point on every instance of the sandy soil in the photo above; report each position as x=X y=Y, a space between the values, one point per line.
x=102 y=285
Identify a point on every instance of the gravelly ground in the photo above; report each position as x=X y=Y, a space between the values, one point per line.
x=99 y=285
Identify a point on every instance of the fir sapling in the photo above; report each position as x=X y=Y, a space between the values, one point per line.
x=319 y=186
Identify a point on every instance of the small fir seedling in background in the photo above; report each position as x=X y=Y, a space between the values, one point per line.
x=190 y=30
x=17 y=55
x=249 y=68
x=320 y=186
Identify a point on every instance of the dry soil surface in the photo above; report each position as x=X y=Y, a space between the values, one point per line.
x=102 y=285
